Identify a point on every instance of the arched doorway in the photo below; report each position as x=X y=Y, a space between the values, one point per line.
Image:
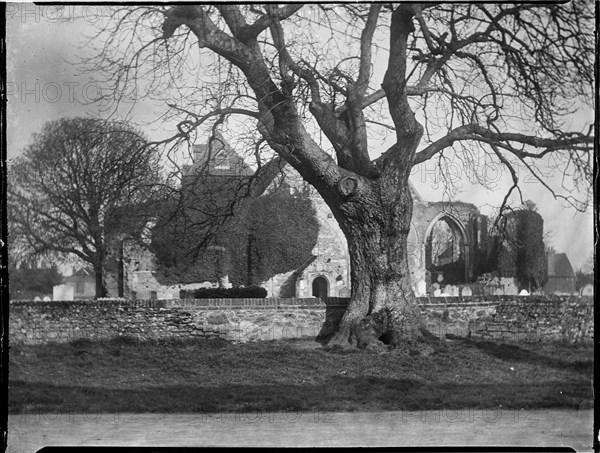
x=320 y=287
x=445 y=257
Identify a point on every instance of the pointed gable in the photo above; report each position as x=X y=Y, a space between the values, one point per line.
x=561 y=267
x=219 y=160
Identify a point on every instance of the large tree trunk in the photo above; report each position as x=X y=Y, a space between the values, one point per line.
x=99 y=275
x=383 y=309
x=121 y=271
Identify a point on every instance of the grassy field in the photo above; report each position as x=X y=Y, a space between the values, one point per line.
x=216 y=376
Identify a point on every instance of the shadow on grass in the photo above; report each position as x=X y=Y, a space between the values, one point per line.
x=366 y=393
x=125 y=375
x=514 y=353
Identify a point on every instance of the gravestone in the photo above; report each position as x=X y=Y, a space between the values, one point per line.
x=63 y=292
x=587 y=290
x=421 y=288
x=451 y=290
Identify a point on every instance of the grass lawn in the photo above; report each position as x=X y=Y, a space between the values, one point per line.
x=295 y=375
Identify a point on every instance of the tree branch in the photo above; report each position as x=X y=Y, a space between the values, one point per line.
x=284 y=130
x=366 y=40
x=265 y=21
x=234 y=20
x=479 y=133
x=408 y=130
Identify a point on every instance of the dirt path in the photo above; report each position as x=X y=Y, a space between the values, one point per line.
x=29 y=432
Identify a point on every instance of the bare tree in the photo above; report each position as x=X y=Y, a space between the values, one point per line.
x=478 y=81
x=77 y=185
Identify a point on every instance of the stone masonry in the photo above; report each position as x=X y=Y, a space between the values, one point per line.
x=504 y=318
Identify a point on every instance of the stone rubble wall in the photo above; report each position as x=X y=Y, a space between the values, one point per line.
x=556 y=318
x=240 y=320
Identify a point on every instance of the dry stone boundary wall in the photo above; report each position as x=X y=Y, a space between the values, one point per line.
x=506 y=318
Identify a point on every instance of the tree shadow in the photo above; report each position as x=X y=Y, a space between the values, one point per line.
x=335 y=307
x=515 y=353
x=338 y=393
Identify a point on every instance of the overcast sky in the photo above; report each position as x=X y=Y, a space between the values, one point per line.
x=43 y=86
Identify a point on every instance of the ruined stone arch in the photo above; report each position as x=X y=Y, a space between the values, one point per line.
x=447 y=250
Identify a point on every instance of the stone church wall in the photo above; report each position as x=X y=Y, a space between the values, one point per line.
x=329 y=273
x=332 y=262
x=140 y=282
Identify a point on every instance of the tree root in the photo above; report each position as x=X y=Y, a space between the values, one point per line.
x=343 y=339
x=389 y=330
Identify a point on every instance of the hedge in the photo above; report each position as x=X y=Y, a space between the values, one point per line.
x=248 y=292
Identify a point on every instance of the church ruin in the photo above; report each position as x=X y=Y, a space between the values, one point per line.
x=446 y=241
